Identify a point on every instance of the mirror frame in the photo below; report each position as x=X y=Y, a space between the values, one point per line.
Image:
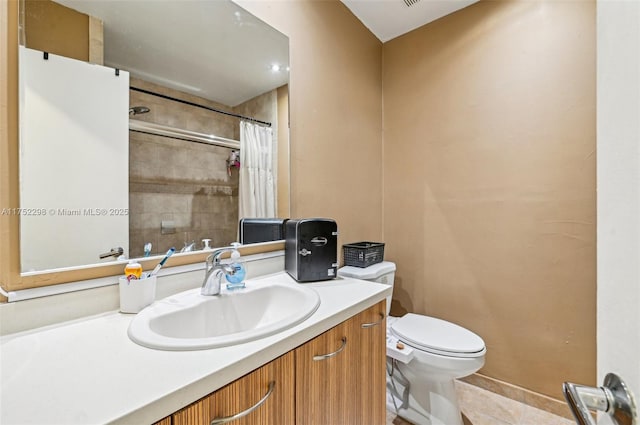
x=11 y=278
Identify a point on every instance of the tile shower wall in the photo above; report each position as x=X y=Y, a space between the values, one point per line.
x=182 y=183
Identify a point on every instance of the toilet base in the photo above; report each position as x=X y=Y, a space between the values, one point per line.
x=423 y=402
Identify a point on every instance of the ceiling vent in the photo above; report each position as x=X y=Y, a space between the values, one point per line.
x=410 y=3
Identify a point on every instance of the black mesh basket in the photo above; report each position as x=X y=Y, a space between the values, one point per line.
x=362 y=254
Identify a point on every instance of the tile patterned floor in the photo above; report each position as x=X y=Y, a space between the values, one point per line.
x=482 y=407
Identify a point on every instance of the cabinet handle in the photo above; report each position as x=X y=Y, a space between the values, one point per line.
x=226 y=419
x=370 y=325
x=335 y=353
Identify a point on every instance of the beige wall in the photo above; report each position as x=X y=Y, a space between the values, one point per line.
x=51 y=27
x=336 y=114
x=489 y=189
x=9 y=175
x=284 y=207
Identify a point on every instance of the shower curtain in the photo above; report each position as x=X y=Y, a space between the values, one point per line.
x=257 y=191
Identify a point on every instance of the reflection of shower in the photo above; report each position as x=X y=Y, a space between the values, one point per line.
x=137 y=110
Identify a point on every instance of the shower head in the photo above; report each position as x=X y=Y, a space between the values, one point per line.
x=136 y=110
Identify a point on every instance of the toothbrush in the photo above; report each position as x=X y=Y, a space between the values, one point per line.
x=161 y=263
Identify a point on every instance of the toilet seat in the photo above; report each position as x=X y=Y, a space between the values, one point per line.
x=437 y=336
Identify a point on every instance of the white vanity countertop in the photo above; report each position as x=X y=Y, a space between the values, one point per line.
x=89 y=372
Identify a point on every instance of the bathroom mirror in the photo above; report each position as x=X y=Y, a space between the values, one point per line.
x=194 y=68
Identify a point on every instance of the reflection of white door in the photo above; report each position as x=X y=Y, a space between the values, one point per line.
x=618 y=169
x=74 y=168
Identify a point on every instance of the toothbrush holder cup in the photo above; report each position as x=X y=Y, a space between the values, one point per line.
x=136 y=294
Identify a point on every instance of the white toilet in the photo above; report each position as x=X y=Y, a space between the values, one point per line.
x=420 y=378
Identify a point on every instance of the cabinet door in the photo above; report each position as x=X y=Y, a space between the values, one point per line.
x=340 y=375
x=372 y=329
x=325 y=378
x=276 y=408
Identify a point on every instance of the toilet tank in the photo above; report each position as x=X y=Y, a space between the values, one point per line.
x=383 y=272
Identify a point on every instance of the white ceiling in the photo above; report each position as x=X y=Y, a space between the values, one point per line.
x=212 y=49
x=388 y=19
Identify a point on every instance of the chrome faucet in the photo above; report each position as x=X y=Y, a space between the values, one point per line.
x=214 y=272
x=188 y=247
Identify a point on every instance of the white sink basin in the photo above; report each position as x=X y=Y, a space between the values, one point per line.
x=190 y=321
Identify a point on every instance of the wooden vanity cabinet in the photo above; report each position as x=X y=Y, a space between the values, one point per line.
x=246 y=392
x=337 y=378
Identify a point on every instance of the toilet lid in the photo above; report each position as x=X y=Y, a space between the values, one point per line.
x=437 y=336
x=374 y=271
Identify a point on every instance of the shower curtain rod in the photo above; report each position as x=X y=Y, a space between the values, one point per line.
x=186 y=102
x=178 y=133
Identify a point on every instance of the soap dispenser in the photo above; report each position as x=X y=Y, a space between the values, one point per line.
x=133 y=270
x=236 y=280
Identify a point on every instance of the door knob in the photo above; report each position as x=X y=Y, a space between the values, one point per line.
x=613 y=397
